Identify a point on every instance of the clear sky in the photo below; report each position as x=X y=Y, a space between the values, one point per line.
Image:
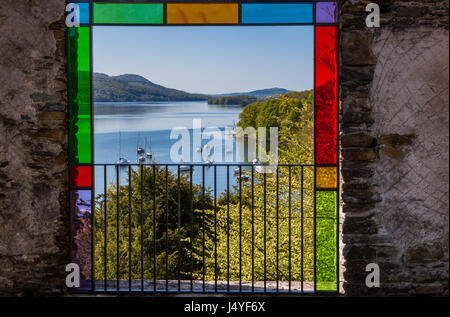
x=210 y=60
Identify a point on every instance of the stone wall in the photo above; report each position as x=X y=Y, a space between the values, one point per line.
x=395 y=115
x=33 y=148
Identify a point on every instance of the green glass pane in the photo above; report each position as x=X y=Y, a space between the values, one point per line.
x=326 y=252
x=135 y=13
x=79 y=95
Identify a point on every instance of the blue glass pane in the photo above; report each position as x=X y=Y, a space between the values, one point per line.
x=277 y=13
x=84 y=12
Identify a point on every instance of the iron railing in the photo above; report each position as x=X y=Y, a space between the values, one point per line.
x=203 y=228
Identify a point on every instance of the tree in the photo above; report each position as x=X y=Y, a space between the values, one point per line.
x=164 y=235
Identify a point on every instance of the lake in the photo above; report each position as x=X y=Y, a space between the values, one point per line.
x=121 y=127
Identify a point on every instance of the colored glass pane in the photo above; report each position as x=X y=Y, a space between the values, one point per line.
x=277 y=13
x=79 y=95
x=80 y=207
x=326 y=12
x=326 y=177
x=204 y=13
x=326 y=235
x=134 y=13
x=84 y=12
x=80 y=176
x=326 y=95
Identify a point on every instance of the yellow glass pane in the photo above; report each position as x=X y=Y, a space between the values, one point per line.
x=202 y=13
x=326 y=177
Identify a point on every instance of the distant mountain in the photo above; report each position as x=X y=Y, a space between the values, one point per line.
x=261 y=93
x=131 y=87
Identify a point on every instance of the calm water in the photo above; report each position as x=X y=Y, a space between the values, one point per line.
x=121 y=127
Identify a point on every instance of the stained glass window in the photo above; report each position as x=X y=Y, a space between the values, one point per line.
x=204 y=13
x=326 y=95
x=81 y=222
x=319 y=14
x=326 y=12
x=326 y=177
x=79 y=94
x=121 y=13
x=277 y=13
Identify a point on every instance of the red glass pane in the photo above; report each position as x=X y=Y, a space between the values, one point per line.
x=80 y=176
x=326 y=95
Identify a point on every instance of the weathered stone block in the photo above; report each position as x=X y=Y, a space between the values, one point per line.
x=358 y=154
x=358 y=140
x=356 y=48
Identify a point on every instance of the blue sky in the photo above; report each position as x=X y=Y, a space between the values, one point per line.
x=209 y=60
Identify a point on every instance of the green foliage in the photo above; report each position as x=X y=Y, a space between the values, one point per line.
x=239 y=100
x=158 y=216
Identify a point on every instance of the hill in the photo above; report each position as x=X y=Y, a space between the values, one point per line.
x=261 y=93
x=131 y=87
x=241 y=100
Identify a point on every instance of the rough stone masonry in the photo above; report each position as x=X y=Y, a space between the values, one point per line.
x=33 y=148
x=395 y=136
x=394 y=147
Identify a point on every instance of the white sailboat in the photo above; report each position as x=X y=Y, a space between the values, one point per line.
x=258 y=167
x=122 y=160
x=149 y=153
x=185 y=168
x=139 y=150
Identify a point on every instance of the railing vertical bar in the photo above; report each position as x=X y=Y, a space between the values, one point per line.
x=167 y=229
x=228 y=228
x=142 y=228
x=203 y=227
x=277 y=231
x=154 y=229
x=179 y=228
x=301 y=228
x=240 y=228
x=253 y=230
x=290 y=230
x=129 y=228
x=265 y=243
x=215 y=228
x=106 y=228
x=192 y=227
x=117 y=230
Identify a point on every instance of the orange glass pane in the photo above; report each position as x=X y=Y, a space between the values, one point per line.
x=326 y=177
x=202 y=13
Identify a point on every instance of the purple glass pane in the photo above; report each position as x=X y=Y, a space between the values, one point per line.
x=326 y=12
x=80 y=206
